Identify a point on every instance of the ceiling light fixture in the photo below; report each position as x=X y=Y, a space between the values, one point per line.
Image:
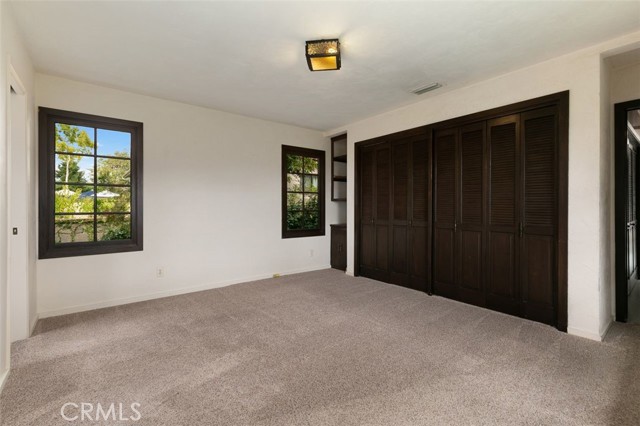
x=427 y=88
x=323 y=55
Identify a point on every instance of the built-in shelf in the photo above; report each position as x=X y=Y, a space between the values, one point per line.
x=339 y=168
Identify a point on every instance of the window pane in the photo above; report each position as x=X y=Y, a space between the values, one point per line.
x=114 y=227
x=311 y=220
x=73 y=229
x=294 y=182
x=311 y=165
x=311 y=183
x=74 y=168
x=294 y=163
x=114 y=144
x=74 y=139
x=311 y=202
x=294 y=220
x=114 y=199
x=114 y=171
x=294 y=201
x=74 y=199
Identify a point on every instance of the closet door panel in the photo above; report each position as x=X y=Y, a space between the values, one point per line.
x=383 y=207
x=470 y=257
x=539 y=212
x=367 y=212
x=502 y=272
x=400 y=153
x=419 y=213
x=444 y=246
x=470 y=240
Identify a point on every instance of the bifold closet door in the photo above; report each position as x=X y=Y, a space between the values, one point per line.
x=538 y=232
x=410 y=258
x=459 y=213
x=419 y=259
x=444 y=220
x=469 y=253
x=375 y=179
x=503 y=249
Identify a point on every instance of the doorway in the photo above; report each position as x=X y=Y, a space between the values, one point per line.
x=627 y=236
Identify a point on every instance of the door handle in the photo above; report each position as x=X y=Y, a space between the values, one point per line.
x=521 y=230
x=455 y=226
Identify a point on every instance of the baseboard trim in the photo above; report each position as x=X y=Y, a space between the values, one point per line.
x=605 y=330
x=3 y=379
x=167 y=293
x=584 y=333
x=34 y=321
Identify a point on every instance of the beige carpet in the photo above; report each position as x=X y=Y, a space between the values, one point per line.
x=321 y=348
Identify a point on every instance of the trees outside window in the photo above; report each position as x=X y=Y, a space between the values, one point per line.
x=90 y=184
x=302 y=192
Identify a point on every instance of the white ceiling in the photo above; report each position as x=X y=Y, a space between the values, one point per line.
x=248 y=57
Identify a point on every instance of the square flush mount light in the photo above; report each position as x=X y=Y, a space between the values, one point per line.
x=323 y=55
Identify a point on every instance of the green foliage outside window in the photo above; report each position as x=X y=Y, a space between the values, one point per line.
x=303 y=210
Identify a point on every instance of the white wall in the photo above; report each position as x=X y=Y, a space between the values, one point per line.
x=211 y=203
x=12 y=53
x=625 y=83
x=578 y=72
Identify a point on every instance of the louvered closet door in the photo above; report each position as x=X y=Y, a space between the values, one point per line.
x=419 y=259
x=502 y=286
x=539 y=145
x=470 y=229
x=444 y=170
x=375 y=177
x=410 y=213
x=400 y=157
x=367 y=211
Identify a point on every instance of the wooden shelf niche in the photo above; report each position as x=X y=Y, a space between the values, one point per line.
x=339 y=168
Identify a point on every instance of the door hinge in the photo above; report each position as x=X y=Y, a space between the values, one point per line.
x=521 y=230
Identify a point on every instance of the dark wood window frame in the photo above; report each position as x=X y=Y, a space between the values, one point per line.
x=312 y=153
x=48 y=117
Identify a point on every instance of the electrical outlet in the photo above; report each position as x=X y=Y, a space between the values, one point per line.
x=311 y=253
x=276 y=275
x=160 y=272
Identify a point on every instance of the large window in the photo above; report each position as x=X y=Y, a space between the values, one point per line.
x=90 y=184
x=302 y=192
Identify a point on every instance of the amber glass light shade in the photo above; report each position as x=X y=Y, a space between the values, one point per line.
x=323 y=55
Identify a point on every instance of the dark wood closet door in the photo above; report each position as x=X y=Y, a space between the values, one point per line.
x=410 y=213
x=419 y=259
x=400 y=155
x=444 y=229
x=375 y=177
x=539 y=142
x=367 y=211
x=502 y=292
x=470 y=230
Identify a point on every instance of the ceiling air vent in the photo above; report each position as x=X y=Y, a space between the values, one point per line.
x=427 y=88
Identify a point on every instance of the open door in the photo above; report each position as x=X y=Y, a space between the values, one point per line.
x=627 y=152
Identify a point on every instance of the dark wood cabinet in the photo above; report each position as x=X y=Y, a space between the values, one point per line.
x=339 y=246
x=473 y=209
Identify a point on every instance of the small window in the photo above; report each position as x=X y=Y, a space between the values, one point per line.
x=90 y=184
x=302 y=192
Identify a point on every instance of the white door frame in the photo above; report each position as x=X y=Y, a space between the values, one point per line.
x=17 y=245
